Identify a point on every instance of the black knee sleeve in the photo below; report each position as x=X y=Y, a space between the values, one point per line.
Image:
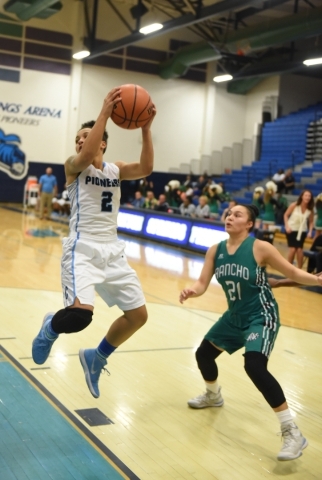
x=70 y=320
x=205 y=356
x=256 y=369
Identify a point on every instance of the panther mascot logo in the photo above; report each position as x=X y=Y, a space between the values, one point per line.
x=12 y=159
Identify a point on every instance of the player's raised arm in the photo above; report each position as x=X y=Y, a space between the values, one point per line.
x=89 y=143
x=135 y=170
x=201 y=285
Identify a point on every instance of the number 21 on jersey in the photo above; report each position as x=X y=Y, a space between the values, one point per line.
x=233 y=290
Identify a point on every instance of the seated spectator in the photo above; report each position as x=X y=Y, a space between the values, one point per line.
x=150 y=200
x=278 y=179
x=145 y=185
x=172 y=192
x=224 y=195
x=315 y=260
x=162 y=204
x=138 y=201
x=289 y=181
x=186 y=208
x=208 y=183
x=187 y=183
x=199 y=185
x=202 y=210
x=232 y=204
x=189 y=193
x=61 y=203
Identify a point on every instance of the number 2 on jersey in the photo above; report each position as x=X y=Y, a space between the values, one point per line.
x=233 y=289
x=106 y=203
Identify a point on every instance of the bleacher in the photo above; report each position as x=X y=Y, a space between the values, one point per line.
x=309 y=177
x=283 y=146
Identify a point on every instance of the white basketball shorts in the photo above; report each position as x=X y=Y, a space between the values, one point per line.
x=87 y=266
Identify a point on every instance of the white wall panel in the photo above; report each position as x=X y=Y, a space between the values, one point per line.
x=216 y=163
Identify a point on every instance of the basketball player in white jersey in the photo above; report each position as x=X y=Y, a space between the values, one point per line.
x=93 y=257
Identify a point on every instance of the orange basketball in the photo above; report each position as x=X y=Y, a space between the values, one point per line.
x=135 y=109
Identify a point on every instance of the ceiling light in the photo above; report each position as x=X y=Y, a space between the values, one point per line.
x=151 y=28
x=81 y=54
x=222 y=78
x=312 y=61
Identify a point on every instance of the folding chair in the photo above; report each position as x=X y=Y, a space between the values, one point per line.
x=314 y=255
x=265 y=235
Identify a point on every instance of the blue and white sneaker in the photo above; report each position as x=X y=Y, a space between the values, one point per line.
x=42 y=344
x=92 y=365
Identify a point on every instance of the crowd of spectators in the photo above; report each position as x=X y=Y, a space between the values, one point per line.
x=201 y=197
x=204 y=197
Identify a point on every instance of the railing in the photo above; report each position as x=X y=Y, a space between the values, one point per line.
x=270 y=170
x=318 y=116
x=295 y=153
x=250 y=174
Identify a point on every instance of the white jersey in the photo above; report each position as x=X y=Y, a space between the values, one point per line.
x=95 y=200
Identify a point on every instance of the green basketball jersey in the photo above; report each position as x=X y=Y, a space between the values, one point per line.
x=245 y=284
x=318 y=221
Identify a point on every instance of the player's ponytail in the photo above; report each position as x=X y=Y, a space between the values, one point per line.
x=253 y=213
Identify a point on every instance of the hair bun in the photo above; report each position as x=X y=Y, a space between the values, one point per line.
x=254 y=209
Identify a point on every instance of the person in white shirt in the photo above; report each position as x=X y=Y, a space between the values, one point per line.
x=187 y=208
x=278 y=178
x=298 y=220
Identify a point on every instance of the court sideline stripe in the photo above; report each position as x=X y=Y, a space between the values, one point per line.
x=103 y=449
x=116 y=352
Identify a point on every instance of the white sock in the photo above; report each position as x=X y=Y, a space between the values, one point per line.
x=285 y=416
x=213 y=387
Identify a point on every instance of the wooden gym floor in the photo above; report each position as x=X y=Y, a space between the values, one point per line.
x=141 y=427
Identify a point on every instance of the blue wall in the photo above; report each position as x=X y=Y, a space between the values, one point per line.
x=11 y=190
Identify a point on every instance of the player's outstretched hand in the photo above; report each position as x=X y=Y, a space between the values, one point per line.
x=186 y=293
x=112 y=98
x=148 y=124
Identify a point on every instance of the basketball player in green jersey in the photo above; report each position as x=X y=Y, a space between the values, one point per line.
x=252 y=319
